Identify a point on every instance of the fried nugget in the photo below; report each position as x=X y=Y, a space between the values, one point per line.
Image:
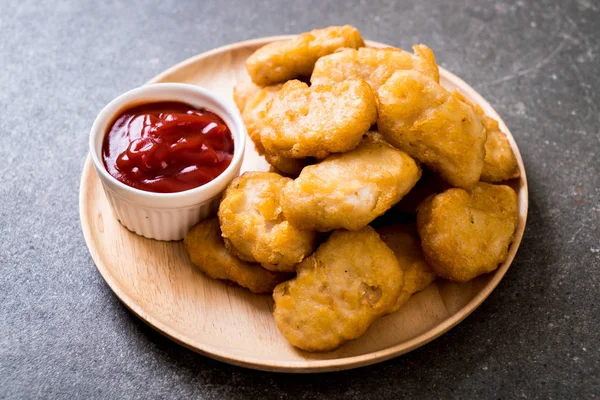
x=254 y=226
x=406 y=245
x=313 y=122
x=419 y=116
x=349 y=190
x=255 y=102
x=465 y=235
x=339 y=291
x=375 y=65
x=500 y=163
x=207 y=252
x=243 y=91
x=288 y=59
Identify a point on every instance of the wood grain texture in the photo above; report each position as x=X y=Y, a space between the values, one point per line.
x=159 y=284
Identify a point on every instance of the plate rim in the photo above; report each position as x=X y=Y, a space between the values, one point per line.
x=306 y=366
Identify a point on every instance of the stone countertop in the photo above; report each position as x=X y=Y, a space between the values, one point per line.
x=63 y=334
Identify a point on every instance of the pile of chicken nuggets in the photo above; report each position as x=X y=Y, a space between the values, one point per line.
x=382 y=181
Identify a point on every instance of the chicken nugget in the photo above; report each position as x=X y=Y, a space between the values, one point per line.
x=254 y=226
x=500 y=163
x=375 y=65
x=419 y=116
x=350 y=280
x=255 y=102
x=255 y=110
x=406 y=245
x=288 y=59
x=313 y=122
x=207 y=252
x=243 y=91
x=465 y=235
x=349 y=190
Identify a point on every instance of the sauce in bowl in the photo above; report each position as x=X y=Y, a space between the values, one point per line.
x=167 y=147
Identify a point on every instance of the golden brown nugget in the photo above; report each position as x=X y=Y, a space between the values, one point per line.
x=207 y=252
x=465 y=235
x=253 y=224
x=350 y=280
x=406 y=245
x=288 y=59
x=375 y=65
x=255 y=102
x=313 y=122
x=255 y=111
x=500 y=163
x=419 y=116
x=243 y=91
x=349 y=190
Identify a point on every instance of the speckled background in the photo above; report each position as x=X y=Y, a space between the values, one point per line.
x=63 y=334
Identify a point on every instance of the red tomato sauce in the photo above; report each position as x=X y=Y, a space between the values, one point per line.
x=167 y=147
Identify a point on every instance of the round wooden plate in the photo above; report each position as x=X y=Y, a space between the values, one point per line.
x=159 y=284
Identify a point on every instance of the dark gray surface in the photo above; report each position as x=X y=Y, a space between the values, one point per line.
x=63 y=334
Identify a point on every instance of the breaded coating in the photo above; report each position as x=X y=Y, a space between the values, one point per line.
x=500 y=163
x=465 y=235
x=254 y=227
x=207 y=252
x=374 y=137
x=243 y=91
x=419 y=116
x=375 y=65
x=406 y=245
x=255 y=111
x=349 y=190
x=288 y=59
x=339 y=291
x=255 y=102
x=314 y=122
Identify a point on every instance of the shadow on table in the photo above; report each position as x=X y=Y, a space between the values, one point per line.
x=507 y=322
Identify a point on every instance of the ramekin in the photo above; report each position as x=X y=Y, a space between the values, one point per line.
x=166 y=216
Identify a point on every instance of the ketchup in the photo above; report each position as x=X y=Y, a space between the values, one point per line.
x=167 y=147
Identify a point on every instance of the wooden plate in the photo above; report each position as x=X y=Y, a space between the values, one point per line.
x=158 y=283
